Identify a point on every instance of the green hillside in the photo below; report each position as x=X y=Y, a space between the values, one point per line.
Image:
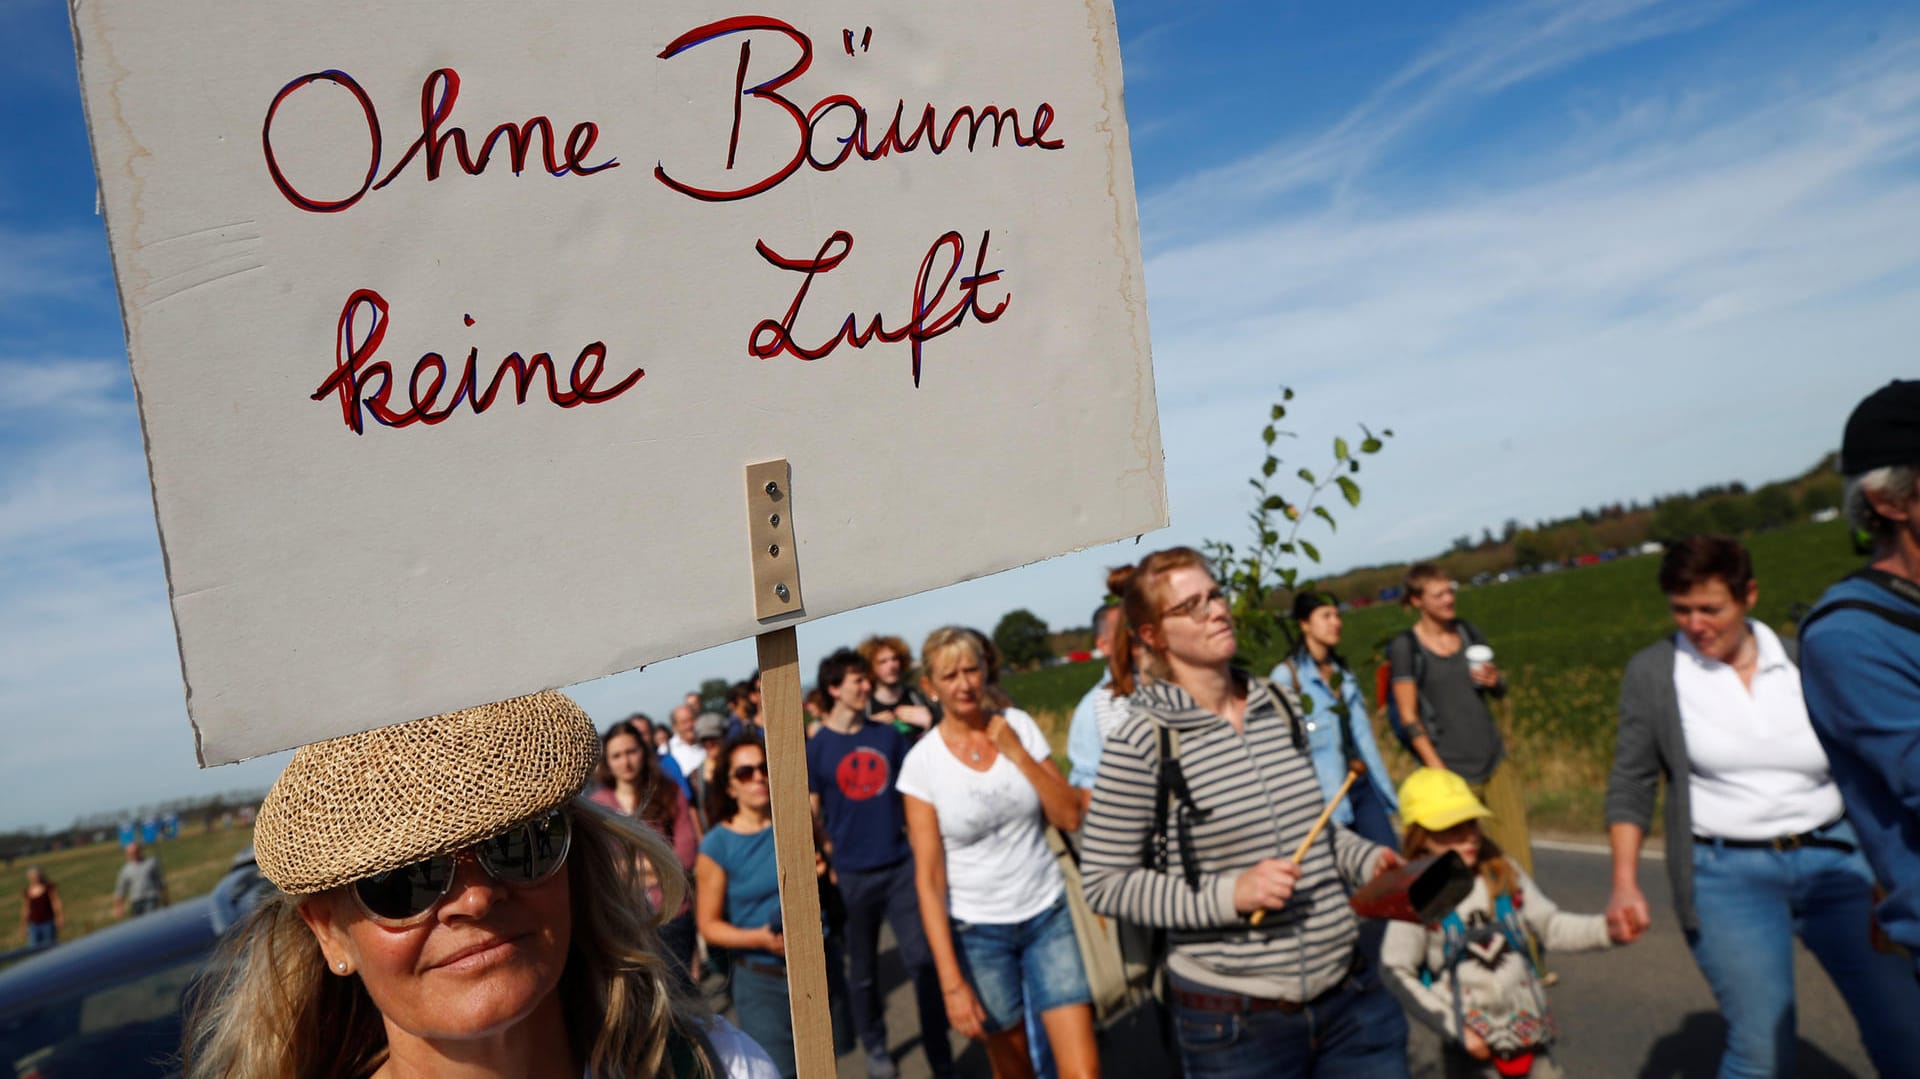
x=1563 y=640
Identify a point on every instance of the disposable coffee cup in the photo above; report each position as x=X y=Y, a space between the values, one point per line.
x=1478 y=656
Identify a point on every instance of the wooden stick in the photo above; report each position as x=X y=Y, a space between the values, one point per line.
x=793 y=849
x=1354 y=772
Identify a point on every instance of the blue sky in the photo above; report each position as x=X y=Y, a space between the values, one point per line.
x=1569 y=252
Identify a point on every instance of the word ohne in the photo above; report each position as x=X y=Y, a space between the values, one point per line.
x=812 y=121
x=437 y=94
x=365 y=384
x=774 y=336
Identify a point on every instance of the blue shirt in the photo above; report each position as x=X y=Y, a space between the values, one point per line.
x=1084 y=737
x=1861 y=677
x=854 y=774
x=1323 y=732
x=672 y=768
x=753 y=878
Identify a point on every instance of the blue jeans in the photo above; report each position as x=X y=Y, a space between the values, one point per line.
x=888 y=894
x=1009 y=964
x=42 y=934
x=1371 y=818
x=1355 y=1031
x=1751 y=904
x=760 y=1003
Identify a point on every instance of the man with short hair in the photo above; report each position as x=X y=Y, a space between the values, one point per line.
x=851 y=768
x=141 y=885
x=744 y=712
x=1860 y=653
x=685 y=747
x=1099 y=713
x=710 y=730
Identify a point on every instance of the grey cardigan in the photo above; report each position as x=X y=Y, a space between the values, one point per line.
x=1652 y=744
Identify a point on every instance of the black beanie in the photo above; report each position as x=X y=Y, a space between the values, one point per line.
x=1883 y=430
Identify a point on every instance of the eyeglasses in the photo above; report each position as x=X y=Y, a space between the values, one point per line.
x=1196 y=607
x=521 y=857
x=744 y=772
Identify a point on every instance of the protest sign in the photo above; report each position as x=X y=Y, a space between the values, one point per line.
x=454 y=325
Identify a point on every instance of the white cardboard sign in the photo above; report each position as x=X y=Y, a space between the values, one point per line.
x=454 y=324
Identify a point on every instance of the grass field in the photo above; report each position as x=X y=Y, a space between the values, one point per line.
x=1563 y=640
x=194 y=863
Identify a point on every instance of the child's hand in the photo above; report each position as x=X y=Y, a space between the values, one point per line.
x=1477 y=1047
x=1627 y=914
x=1388 y=861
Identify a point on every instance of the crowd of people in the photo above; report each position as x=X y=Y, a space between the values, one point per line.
x=430 y=911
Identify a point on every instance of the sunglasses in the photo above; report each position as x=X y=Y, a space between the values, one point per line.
x=521 y=857
x=744 y=772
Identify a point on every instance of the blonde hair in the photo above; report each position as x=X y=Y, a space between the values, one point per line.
x=952 y=638
x=1142 y=591
x=269 y=1008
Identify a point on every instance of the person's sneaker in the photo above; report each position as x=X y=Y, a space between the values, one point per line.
x=880 y=1065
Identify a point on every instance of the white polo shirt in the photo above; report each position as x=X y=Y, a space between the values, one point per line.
x=1757 y=771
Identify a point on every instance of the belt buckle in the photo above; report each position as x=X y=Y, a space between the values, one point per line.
x=1787 y=843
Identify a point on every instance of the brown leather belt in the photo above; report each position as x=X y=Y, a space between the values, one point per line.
x=1232 y=1003
x=773 y=967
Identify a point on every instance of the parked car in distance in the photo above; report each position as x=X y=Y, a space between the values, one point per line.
x=110 y=1003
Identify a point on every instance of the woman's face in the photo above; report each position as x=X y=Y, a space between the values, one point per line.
x=1463 y=839
x=1437 y=599
x=958 y=681
x=1323 y=626
x=887 y=667
x=486 y=957
x=1713 y=618
x=1194 y=627
x=623 y=757
x=752 y=791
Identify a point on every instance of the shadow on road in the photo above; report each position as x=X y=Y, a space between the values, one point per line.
x=1694 y=1051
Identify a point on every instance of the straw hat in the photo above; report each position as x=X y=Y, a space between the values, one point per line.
x=351 y=807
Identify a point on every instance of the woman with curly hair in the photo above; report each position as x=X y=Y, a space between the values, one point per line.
x=449 y=905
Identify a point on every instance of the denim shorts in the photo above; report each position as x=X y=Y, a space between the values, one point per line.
x=1015 y=964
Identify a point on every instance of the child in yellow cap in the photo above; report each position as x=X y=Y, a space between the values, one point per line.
x=1472 y=976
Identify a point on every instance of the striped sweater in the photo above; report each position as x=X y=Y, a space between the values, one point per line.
x=1262 y=796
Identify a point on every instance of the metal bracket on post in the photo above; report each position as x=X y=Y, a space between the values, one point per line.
x=776 y=573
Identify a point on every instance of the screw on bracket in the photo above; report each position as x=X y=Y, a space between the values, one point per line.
x=781 y=590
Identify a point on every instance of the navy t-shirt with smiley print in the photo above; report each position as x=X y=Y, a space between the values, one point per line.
x=854 y=776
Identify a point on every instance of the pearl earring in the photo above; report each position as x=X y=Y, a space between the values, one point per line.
x=341 y=966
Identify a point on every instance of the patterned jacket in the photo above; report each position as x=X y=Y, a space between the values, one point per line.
x=1256 y=796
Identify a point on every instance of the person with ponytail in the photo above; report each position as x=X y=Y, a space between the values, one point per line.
x=1264 y=975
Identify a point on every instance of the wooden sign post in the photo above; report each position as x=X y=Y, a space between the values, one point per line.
x=776 y=595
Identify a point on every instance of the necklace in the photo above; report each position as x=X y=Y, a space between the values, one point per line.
x=973 y=755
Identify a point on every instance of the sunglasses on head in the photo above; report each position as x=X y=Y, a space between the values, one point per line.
x=744 y=772
x=520 y=857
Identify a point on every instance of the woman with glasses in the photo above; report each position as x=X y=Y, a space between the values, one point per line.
x=977 y=792
x=737 y=892
x=1264 y=976
x=448 y=905
x=1441 y=690
x=632 y=783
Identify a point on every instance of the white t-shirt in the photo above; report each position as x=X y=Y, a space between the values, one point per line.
x=999 y=869
x=689 y=756
x=1756 y=769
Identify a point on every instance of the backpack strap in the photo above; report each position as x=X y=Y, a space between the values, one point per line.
x=1170 y=822
x=1899 y=618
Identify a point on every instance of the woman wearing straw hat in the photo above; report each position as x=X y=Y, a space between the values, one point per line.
x=450 y=905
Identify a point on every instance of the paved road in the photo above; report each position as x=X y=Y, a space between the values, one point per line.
x=1642 y=1011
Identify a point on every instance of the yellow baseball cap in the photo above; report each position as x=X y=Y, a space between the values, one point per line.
x=1436 y=799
